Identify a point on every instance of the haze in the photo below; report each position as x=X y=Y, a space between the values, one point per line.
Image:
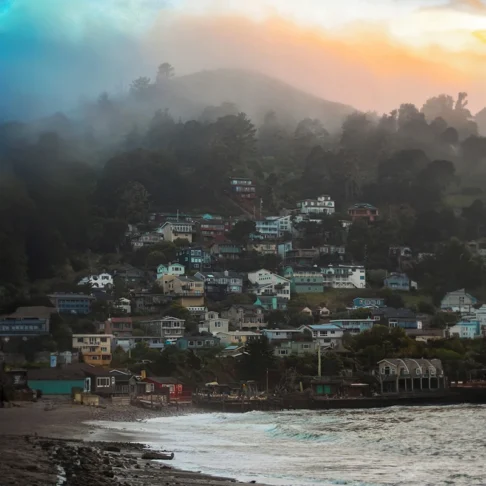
x=372 y=55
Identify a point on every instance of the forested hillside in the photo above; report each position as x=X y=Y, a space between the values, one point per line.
x=71 y=183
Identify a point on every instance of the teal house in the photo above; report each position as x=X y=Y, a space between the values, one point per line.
x=271 y=303
x=57 y=381
x=304 y=280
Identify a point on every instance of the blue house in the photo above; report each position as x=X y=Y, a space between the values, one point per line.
x=399 y=281
x=366 y=303
x=26 y=321
x=195 y=258
x=354 y=326
x=72 y=303
x=466 y=330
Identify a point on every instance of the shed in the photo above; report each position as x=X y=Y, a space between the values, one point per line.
x=56 y=381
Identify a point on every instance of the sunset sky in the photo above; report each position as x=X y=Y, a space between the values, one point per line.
x=373 y=54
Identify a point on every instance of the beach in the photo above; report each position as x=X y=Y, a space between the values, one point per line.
x=48 y=442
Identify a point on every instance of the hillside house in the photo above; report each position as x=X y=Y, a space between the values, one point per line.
x=321 y=205
x=96 y=348
x=101 y=281
x=72 y=303
x=198 y=343
x=344 y=276
x=26 y=321
x=170 y=269
x=213 y=323
x=237 y=337
x=265 y=282
x=246 y=317
x=304 y=280
x=271 y=303
x=118 y=326
x=391 y=317
x=226 y=251
x=467 y=330
x=168 y=328
x=325 y=335
x=174 y=230
x=458 y=301
x=242 y=187
x=282 y=334
x=230 y=281
x=400 y=282
x=363 y=212
x=288 y=347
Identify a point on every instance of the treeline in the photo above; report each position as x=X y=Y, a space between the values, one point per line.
x=70 y=185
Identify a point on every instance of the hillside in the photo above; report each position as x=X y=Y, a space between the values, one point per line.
x=255 y=94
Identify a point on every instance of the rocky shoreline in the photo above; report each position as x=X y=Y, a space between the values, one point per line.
x=50 y=445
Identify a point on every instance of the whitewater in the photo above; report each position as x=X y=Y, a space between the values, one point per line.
x=399 y=446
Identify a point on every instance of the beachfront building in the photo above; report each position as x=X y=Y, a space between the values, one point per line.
x=410 y=375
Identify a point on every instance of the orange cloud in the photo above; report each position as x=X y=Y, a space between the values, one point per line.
x=361 y=65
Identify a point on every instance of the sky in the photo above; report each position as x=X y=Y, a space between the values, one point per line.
x=372 y=54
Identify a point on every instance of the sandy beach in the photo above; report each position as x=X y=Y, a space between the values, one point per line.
x=48 y=440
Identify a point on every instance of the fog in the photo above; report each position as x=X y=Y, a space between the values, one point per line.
x=55 y=53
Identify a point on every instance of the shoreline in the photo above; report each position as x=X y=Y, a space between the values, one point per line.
x=54 y=442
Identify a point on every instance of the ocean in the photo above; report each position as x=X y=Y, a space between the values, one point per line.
x=399 y=446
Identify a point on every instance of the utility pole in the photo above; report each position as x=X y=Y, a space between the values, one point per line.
x=267 y=382
x=319 y=367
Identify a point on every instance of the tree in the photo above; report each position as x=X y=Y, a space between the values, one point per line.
x=241 y=231
x=258 y=358
x=165 y=71
x=140 y=88
x=133 y=203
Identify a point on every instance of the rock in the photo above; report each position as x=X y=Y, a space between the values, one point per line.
x=112 y=449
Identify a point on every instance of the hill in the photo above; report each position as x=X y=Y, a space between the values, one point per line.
x=253 y=93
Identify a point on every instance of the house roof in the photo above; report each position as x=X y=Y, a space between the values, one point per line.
x=413 y=364
x=325 y=327
x=74 y=371
x=41 y=312
x=164 y=380
x=61 y=295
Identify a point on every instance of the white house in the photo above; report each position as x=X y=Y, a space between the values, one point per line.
x=321 y=205
x=281 y=334
x=123 y=304
x=170 y=269
x=213 y=323
x=168 y=328
x=274 y=226
x=98 y=281
x=344 y=276
x=458 y=301
x=269 y=283
x=174 y=230
x=325 y=335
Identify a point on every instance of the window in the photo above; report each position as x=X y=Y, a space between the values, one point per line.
x=103 y=340
x=102 y=382
x=80 y=340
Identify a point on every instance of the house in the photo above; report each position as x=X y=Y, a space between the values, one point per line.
x=458 y=301
x=400 y=252
x=354 y=326
x=214 y=227
x=194 y=258
x=282 y=334
x=283 y=248
x=226 y=251
x=477 y=315
x=96 y=348
x=478 y=247
x=265 y=282
x=391 y=317
x=123 y=305
x=233 y=351
x=99 y=381
x=304 y=280
x=213 y=323
x=122 y=382
x=410 y=375
x=289 y=347
x=174 y=230
x=196 y=343
x=262 y=247
x=399 y=281
x=243 y=187
x=170 y=269
x=244 y=316
x=307 y=311
x=168 y=328
x=147 y=239
x=321 y=205
x=467 y=330
x=425 y=335
x=232 y=282
x=325 y=335
x=128 y=343
x=72 y=303
x=101 y=281
x=368 y=302
x=178 y=391
x=332 y=250
x=149 y=303
x=274 y=227
x=188 y=290
x=363 y=212
x=130 y=275
x=304 y=257
x=237 y=337
x=118 y=326
x=271 y=303
x=27 y=321
x=323 y=311
x=58 y=380
x=344 y=276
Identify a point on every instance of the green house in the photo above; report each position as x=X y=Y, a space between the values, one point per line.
x=304 y=280
x=56 y=381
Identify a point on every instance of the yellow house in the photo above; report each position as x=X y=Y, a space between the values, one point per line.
x=96 y=348
x=189 y=290
x=237 y=337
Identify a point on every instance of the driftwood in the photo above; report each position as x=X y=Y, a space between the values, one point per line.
x=164 y=456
